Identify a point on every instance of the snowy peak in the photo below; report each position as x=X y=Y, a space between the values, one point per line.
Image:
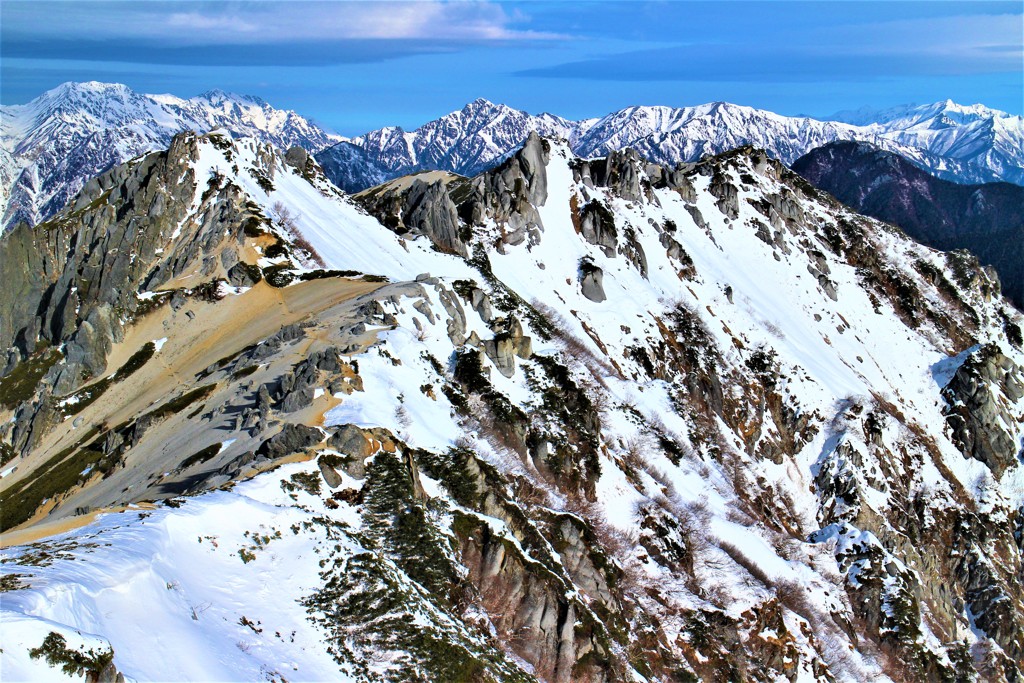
x=949 y=109
x=217 y=96
x=50 y=146
x=73 y=132
x=92 y=103
x=465 y=142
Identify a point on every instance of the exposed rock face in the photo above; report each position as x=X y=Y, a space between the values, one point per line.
x=330 y=475
x=109 y=674
x=244 y=275
x=621 y=172
x=597 y=225
x=552 y=639
x=291 y=439
x=508 y=343
x=592 y=283
x=984 y=399
x=297 y=158
x=420 y=208
x=429 y=210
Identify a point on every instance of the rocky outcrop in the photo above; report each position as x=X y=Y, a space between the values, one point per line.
x=980 y=399
x=511 y=193
x=419 y=207
x=429 y=210
x=292 y=438
x=358 y=444
x=321 y=368
x=330 y=475
x=456 y=325
x=297 y=158
x=592 y=282
x=625 y=173
x=580 y=552
x=109 y=674
x=557 y=636
x=597 y=225
x=508 y=343
x=727 y=193
x=988 y=587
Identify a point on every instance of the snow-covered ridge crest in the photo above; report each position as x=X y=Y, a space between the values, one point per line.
x=50 y=146
x=654 y=422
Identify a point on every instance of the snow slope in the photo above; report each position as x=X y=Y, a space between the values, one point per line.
x=143 y=581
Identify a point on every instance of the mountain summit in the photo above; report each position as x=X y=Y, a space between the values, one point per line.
x=52 y=145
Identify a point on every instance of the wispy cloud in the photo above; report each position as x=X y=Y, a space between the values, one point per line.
x=961 y=36
x=191 y=22
x=186 y=23
x=929 y=46
x=406 y=62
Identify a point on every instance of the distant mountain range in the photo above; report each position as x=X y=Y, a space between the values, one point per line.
x=52 y=145
x=968 y=144
x=986 y=219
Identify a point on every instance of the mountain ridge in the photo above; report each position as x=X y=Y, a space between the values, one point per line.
x=64 y=137
x=671 y=135
x=566 y=420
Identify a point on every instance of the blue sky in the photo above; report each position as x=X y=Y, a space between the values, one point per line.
x=354 y=66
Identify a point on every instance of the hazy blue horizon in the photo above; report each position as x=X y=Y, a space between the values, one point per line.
x=355 y=66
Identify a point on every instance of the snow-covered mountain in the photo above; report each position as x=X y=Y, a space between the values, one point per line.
x=963 y=144
x=55 y=143
x=567 y=420
x=976 y=136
